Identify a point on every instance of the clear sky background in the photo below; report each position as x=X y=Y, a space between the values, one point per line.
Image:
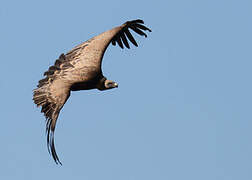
x=182 y=110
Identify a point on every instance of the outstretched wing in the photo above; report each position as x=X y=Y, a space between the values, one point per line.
x=51 y=94
x=90 y=53
x=135 y=25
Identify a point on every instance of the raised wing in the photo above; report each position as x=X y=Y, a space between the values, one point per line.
x=90 y=53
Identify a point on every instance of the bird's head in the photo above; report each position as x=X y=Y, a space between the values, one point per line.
x=108 y=84
x=105 y=84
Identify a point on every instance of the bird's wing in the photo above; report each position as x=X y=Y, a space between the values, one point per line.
x=90 y=53
x=51 y=94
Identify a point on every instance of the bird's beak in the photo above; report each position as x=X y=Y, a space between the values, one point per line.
x=116 y=85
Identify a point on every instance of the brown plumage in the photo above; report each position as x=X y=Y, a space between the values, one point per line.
x=79 y=69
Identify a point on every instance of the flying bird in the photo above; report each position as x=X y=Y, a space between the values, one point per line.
x=80 y=69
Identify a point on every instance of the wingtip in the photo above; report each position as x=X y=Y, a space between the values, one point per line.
x=134 y=21
x=138 y=21
x=58 y=162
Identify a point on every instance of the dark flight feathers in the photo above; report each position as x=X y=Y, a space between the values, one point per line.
x=136 y=26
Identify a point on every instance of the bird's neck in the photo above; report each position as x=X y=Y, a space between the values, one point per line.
x=101 y=83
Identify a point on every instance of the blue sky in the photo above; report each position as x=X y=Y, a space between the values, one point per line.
x=182 y=109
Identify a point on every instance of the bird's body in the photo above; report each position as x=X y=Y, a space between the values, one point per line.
x=79 y=69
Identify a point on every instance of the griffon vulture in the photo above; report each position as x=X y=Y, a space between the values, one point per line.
x=79 y=69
